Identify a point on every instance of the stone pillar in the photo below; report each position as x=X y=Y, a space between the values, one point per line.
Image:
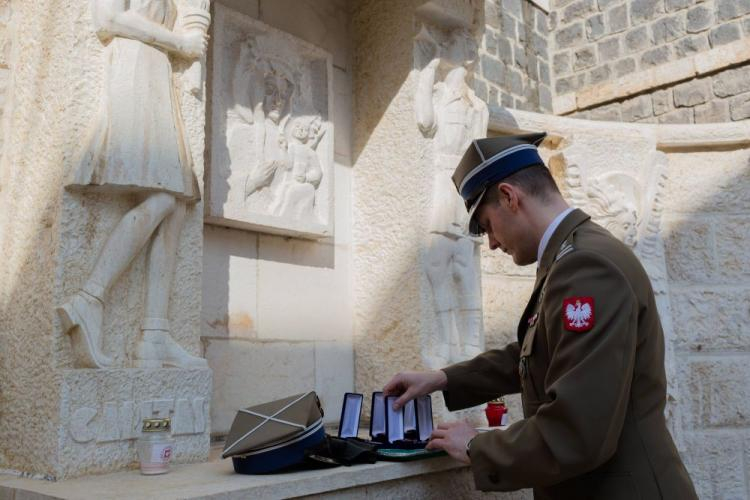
x=58 y=418
x=398 y=154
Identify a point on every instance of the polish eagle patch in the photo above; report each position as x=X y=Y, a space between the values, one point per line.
x=578 y=313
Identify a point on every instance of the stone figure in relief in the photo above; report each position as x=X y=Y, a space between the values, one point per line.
x=631 y=210
x=137 y=145
x=451 y=114
x=301 y=173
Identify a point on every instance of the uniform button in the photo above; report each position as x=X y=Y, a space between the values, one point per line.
x=494 y=478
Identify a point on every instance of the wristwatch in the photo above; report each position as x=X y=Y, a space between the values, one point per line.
x=468 y=447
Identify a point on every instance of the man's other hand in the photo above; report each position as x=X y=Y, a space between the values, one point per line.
x=452 y=437
x=410 y=385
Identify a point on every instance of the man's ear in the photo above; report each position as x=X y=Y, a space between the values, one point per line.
x=508 y=195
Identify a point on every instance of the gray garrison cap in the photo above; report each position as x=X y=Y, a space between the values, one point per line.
x=489 y=161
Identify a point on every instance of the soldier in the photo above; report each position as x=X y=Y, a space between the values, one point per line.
x=589 y=361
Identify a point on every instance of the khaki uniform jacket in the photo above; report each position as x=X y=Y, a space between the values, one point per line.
x=593 y=386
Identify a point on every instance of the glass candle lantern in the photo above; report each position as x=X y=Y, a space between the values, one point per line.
x=155 y=446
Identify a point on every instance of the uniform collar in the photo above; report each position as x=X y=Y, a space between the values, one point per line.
x=548 y=232
x=566 y=226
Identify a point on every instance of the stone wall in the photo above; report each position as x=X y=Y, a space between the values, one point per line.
x=515 y=57
x=665 y=61
x=276 y=318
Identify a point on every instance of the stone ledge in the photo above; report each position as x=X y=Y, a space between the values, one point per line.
x=216 y=479
x=694 y=66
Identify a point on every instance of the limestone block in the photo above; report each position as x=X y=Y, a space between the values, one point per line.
x=740 y=107
x=680 y=115
x=504 y=300
x=247 y=373
x=645 y=10
x=668 y=29
x=732 y=82
x=711 y=319
x=302 y=290
x=570 y=36
x=230 y=284
x=732 y=235
x=690 y=45
x=699 y=18
x=724 y=34
x=689 y=248
x=730 y=9
x=726 y=171
x=717 y=394
x=715 y=464
x=617 y=18
x=272 y=146
x=712 y=112
x=102 y=411
x=692 y=93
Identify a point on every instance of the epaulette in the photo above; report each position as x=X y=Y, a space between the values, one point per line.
x=566 y=248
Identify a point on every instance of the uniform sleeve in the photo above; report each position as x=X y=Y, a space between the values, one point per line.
x=488 y=376
x=586 y=389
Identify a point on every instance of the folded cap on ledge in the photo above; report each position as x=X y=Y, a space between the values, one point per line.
x=489 y=161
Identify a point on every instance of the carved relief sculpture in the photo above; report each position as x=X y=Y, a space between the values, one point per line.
x=271 y=167
x=451 y=115
x=137 y=145
x=631 y=210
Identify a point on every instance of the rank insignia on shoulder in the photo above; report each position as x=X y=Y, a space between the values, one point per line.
x=578 y=313
x=532 y=319
x=565 y=249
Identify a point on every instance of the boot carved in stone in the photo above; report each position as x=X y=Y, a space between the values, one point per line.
x=82 y=319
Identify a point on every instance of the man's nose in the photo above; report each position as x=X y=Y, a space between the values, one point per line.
x=492 y=242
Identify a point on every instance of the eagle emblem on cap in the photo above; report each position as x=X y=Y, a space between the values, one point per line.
x=578 y=313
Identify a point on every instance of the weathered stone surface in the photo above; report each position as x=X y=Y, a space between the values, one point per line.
x=519 y=56
x=730 y=9
x=609 y=50
x=662 y=101
x=504 y=301
x=605 y=4
x=710 y=320
x=606 y=113
x=714 y=463
x=540 y=45
x=740 y=107
x=682 y=115
x=689 y=249
x=514 y=7
x=569 y=36
x=595 y=27
x=578 y=10
x=569 y=84
x=712 y=112
x=668 y=29
x=600 y=74
x=493 y=70
x=584 y=58
x=544 y=76
x=673 y=5
x=508 y=28
x=718 y=392
x=625 y=66
x=490 y=42
x=617 y=18
x=645 y=10
x=724 y=34
x=690 y=45
x=480 y=89
x=732 y=82
x=637 y=108
x=505 y=51
x=638 y=39
x=545 y=98
x=561 y=63
x=731 y=235
x=655 y=57
x=692 y=93
x=699 y=18
x=726 y=171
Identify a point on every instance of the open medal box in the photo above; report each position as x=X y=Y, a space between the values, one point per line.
x=398 y=435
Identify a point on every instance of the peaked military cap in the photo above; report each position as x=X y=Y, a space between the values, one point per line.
x=489 y=161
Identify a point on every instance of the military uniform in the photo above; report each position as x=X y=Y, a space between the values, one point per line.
x=589 y=364
x=593 y=384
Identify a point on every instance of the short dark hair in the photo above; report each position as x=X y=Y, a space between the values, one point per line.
x=535 y=181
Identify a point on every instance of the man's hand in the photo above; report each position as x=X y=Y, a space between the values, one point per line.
x=410 y=385
x=452 y=437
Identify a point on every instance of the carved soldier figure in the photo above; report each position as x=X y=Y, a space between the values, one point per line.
x=137 y=145
x=450 y=112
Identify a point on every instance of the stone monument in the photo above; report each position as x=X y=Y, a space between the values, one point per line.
x=103 y=215
x=272 y=157
x=451 y=115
